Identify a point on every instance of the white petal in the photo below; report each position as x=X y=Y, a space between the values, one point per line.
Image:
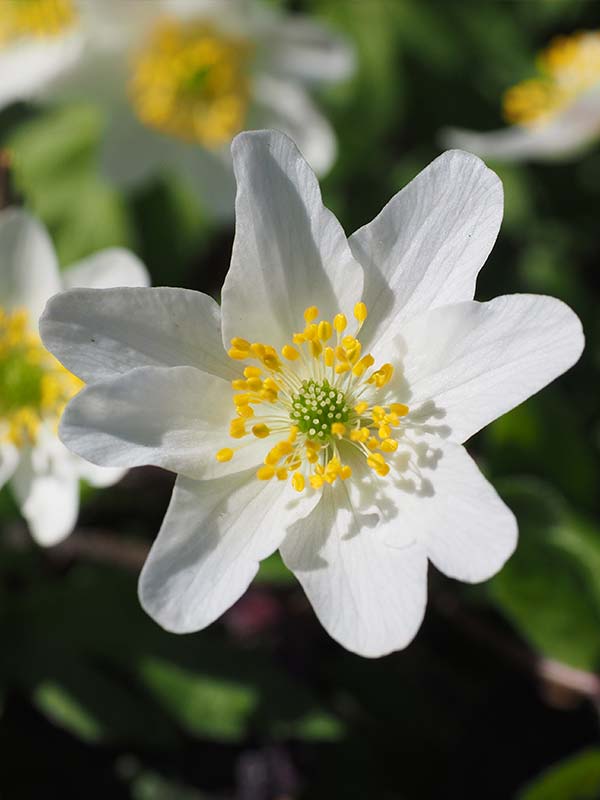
x=211 y=541
x=369 y=596
x=469 y=363
x=106 y=269
x=289 y=252
x=176 y=418
x=28 y=67
x=565 y=135
x=9 y=458
x=301 y=48
x=450 y=509
x=98 y=333
x=287 y=107
x=28 y=265
x=47 y=489
x=427 y=245
x=98 y=477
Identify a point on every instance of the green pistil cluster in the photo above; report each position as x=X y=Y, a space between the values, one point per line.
x=317 y=407
x=20 y=382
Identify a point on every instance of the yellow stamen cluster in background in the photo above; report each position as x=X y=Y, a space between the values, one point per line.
x=38 y=18
x=316 y=398
x=192 y=82
x=34 y=386
x=568 y=67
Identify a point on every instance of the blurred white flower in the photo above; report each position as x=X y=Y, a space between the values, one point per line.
x=322 y=409
x=34 y=388
x=553 y=116
x=178 y=79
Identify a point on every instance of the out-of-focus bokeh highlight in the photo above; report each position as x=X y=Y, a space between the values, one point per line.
x=114 y=131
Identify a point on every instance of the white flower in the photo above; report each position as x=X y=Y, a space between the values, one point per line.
x=178 y=79
x=553 y=116
x=34 y=387
x=322 y=409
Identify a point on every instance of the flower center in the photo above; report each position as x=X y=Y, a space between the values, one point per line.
x=191 y=81
x=39 y=18
x=317 y=407
x=319 y=400
x=34 y=386
x=569 y=66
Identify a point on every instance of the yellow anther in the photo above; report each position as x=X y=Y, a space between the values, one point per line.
x=376 y=459
x=258 y=349
x=239 y=355
x=311 y=332
x=360 y=312
x=226 y=454
x=237 y=428
x=341 y=354
x=298 y=481
x=265 y=473
x=340 y=322
x=344 y=366
x=273 y=456
x=338 y=429
x=310 y=314
x=329 y=356
x=316 y=481
x=289 y=352
x=245 y=411
x=399 y=408
x=360 y=408
x=363 y=365
x=293 y=434
x=316 y=348
x=372 y=443
x=285 y=448
x=261 y=431
x=281 y=474
x=298 y=338
x=382 y=376
x=239 y=385
x=312 y=456
x=359 y=434
x=378 y=414
x=324 y=330
x=268 y=395
x=241 y=399
x=384 y=432
x=254 y=384
x=271 y=362
x=252 y=372
x=389 y=445
x=345 y=472
x=240 y=344
x=271 y=385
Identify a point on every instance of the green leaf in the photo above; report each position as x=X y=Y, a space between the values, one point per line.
x=575 y=778
x=65 y=710
x=274 y=572
x=55 y=169
x=550 y=588
x=205 y=705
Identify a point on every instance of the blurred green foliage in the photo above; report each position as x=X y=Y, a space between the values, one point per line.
x=94 y=690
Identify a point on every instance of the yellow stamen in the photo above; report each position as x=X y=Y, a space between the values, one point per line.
x=261 y=431
x=360 y=312
x=310 y=314
x=265 y=473
x=290 y=352
x=225 y=454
